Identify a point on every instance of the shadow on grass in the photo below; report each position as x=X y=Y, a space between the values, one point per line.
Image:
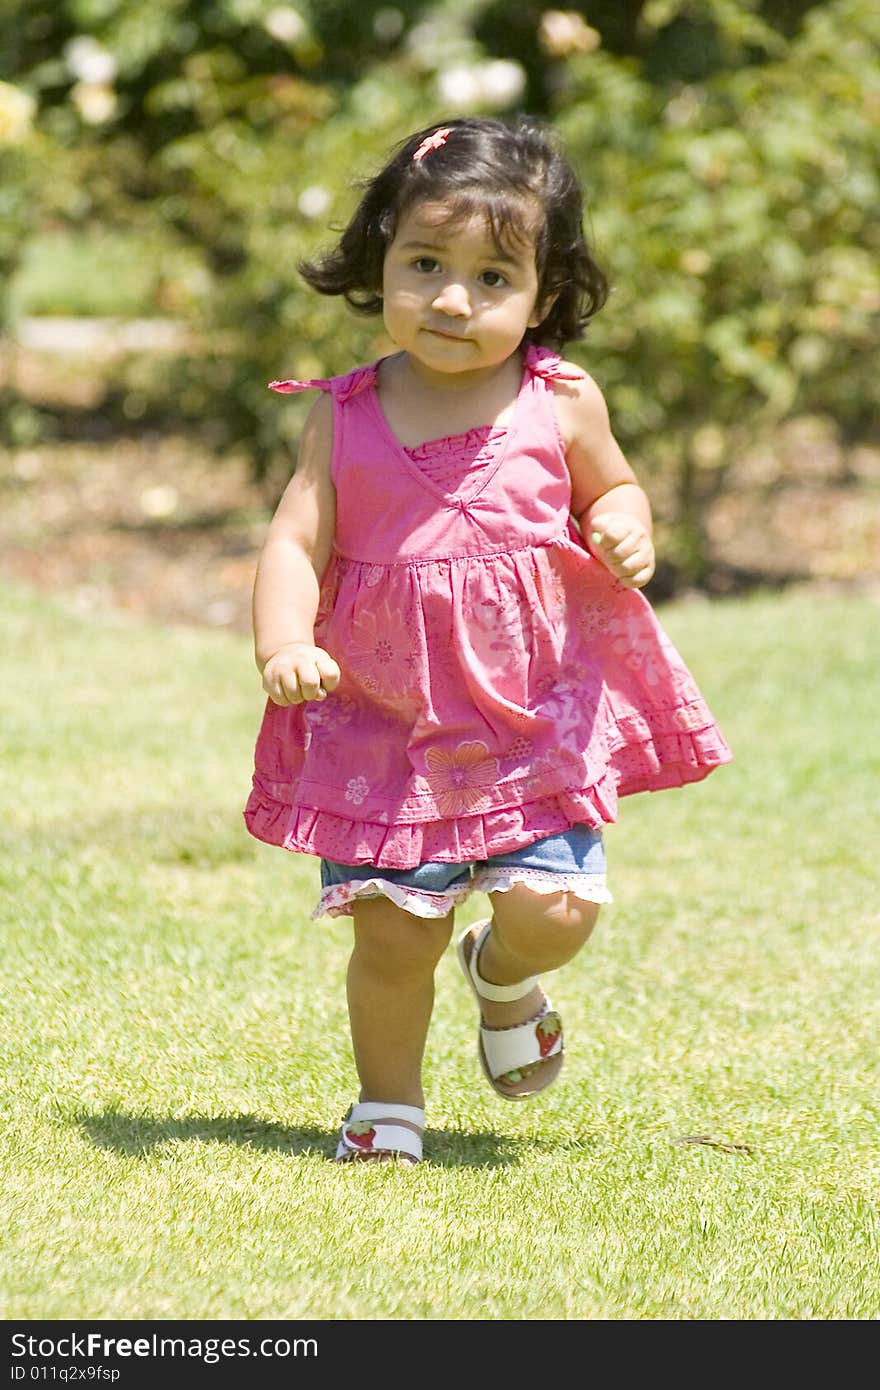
x=139 y=1135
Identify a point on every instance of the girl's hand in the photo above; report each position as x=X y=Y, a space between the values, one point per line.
x=623 y=545
x=299 y=672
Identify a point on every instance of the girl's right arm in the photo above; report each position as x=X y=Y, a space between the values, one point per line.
x=289 y=572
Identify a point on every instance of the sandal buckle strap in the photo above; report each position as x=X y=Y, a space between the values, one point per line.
x=378 y=1110
x=500 y=994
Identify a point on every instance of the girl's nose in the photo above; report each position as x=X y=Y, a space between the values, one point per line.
x=453 y=299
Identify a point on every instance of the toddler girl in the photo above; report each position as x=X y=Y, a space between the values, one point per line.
x=462 y=675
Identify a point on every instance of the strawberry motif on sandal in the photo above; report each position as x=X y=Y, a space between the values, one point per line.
x=362 y=1133
x=547 y=1030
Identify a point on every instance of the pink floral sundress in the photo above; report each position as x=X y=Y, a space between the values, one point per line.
x=498 y=684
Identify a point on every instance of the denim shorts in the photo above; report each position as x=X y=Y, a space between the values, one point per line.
x=572 y=861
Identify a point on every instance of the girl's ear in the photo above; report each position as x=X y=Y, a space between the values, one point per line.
x=542 y=309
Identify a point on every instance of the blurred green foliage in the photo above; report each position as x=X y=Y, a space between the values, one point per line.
x=727 y=149
x=90 y=273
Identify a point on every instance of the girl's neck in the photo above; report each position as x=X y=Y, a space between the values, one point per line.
x=418 y=410
x=457 y=383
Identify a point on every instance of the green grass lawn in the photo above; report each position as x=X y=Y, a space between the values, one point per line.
x=175 y=1050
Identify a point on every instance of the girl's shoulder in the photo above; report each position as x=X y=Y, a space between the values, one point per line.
x=579 y=401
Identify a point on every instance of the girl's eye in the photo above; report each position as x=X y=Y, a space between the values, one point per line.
x=426 y=265
x=493 y=279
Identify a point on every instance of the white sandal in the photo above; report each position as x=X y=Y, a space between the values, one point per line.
x=374 y=1130
x=506 y=1050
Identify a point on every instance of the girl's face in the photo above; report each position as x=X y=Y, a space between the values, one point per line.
x=454 y=302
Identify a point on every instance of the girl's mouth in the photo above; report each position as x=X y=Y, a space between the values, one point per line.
x=444 y=333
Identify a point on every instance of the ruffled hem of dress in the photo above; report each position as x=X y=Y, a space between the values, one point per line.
x=307 y=830
x=669 y=760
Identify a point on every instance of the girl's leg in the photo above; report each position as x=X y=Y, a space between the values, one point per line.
x=532 y=933
x=391 y=997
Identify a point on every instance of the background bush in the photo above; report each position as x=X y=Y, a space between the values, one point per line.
x=727 y=151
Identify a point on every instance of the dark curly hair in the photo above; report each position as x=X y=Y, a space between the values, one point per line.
x=508 y=170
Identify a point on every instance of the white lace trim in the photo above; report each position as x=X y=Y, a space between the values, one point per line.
x=336 y=900
x=592 y=888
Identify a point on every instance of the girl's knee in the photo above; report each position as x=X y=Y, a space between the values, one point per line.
x=523 y=919
x=388 y=934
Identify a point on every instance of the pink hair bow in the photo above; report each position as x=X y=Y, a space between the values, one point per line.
x=432 y=142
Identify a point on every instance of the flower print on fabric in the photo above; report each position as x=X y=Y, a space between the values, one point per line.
x=357 y=788
x=460 y=780
x=550 y=764
x=518 y=757
x=380 y=651
x=325 y=717
x=565 y=697
x=593 y=617
x=328 y=714
x=501 y=632
x=635 y=641
x=444 y=663
x=328 y=594
x=552 y=584
x=520 y=751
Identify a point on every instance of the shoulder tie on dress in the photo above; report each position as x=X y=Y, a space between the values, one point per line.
x=342 y=387
x=540 y=361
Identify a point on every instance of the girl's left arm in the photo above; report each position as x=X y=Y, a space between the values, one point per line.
x=611 y=507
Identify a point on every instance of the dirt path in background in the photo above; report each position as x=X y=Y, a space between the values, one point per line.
x=149 y=526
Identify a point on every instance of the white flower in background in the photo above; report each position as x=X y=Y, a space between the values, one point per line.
x=460 y=86
x=495 y=84
x=17 y=110
x=314 y=200
x=502 y=81
x=90 y=61
x=95 y=103
x=285 y=24
x=563 y=32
